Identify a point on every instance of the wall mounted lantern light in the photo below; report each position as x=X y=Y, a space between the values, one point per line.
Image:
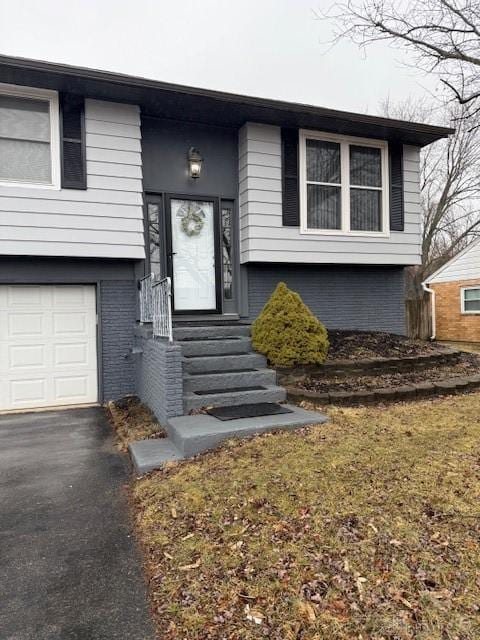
x=195 y=162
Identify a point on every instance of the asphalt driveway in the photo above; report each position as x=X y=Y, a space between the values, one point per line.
x=69 y=565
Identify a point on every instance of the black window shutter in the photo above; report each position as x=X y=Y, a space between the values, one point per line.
x=290 y=197
x=72 y=131
x=397 y=216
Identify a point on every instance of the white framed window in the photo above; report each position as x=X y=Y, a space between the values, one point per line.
x=29 y=137
x=343 y=185
x=470 y=300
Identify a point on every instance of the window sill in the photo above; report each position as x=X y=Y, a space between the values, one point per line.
x=344 y=234
x=30 y=185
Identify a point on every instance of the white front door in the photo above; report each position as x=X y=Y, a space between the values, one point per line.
x=193 y=255
x=48 y=346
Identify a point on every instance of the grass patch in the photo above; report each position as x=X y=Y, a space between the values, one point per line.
x=133 y=421
x=367 y=527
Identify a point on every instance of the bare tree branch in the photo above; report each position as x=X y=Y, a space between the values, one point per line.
x=443 y=35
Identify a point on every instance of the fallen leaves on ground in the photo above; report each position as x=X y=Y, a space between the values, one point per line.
x=468 y=365
x=352 y=345
x=133 y=421
x=365 y=527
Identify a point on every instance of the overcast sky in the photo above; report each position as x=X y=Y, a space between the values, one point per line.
x=269 y=48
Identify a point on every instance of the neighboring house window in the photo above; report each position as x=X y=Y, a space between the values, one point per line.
x=29 y=137
x=343 y=184
x=470 y=300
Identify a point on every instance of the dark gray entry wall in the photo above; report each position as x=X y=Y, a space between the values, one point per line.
x=165 y=145
x=116 y=309
x=343 y=297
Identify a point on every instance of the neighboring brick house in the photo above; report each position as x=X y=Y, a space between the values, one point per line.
x=456 y=297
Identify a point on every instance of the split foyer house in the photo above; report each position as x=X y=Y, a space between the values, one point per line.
x=106 y=178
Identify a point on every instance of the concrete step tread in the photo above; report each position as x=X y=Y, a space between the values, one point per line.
x=270 y=393
x=222 y=346
x=227 y=340
x=219 y=363
x=153 y=453
x=227 y=379
x=193 y=434
x=181 y=333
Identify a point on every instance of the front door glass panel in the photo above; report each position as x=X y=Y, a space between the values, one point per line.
x=193 y=255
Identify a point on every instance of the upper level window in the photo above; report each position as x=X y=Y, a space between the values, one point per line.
x=343 y=184
x=471 y=300
x=29 y=148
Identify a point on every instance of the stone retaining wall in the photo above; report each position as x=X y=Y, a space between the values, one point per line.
x=415 y=391
x=373 y=366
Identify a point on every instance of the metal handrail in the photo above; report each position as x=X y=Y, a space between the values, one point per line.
x=162 y=308
x=146 y=302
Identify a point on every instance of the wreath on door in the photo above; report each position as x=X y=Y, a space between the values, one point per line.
x=192 y=218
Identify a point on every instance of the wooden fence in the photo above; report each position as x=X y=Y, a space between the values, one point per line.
x=418 y=318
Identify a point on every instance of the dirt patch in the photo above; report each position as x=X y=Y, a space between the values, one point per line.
x=353 y=345
x=365 y=527
x=133 y=421
x=468 y=365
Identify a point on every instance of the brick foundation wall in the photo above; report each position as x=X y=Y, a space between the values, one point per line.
x=451 y=323
x=117 y=314
x=160 y=377
x=369 y=298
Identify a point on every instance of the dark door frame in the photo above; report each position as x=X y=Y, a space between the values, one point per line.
x=217 y=250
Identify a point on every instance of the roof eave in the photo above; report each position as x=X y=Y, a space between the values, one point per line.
x=423 y=134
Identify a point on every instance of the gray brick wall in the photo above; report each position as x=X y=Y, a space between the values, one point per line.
x=343 y=297
x=117 y=315
x=159 y=377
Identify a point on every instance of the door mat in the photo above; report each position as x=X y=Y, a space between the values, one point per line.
x=248 y=411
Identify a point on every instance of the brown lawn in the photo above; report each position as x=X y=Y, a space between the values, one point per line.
x=365 y=528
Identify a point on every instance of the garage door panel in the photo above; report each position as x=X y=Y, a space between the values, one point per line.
x=25 y=392
x=68 y=354
x=69 y=297
x=26 y=325
x=71 y=388
x=25 y=295
x=26 y=356
x=48 y=346
x=70 y=323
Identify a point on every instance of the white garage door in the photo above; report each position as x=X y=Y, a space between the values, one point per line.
x=48 y=346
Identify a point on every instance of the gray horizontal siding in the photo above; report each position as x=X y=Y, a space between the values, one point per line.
x=366 y=298
x=263 y=238
x=106 y=220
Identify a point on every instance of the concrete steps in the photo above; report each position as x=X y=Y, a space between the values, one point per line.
x=220 y=369
x=229 y=379
x=154 y=453
x=211 y=331
x=229 y=397
x=215 y=346
x=207 y=364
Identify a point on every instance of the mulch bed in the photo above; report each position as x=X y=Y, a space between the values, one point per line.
x=353 y=345
x=468 y=364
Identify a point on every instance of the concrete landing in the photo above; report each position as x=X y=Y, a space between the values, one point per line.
x=189 y=435
x=151 y=454
x=194 y=434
